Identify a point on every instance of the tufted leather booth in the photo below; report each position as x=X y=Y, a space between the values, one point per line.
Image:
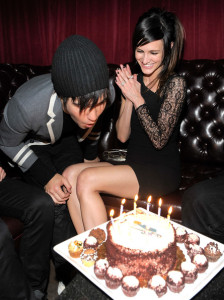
x=201 y=141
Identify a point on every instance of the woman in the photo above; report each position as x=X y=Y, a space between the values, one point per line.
x=149 y=118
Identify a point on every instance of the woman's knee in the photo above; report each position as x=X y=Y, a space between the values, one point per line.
x=86 y=182
x=72 y=172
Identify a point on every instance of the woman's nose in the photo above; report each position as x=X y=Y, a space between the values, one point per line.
x=146 y=59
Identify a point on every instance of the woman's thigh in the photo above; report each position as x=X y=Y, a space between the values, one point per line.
x=118 y=180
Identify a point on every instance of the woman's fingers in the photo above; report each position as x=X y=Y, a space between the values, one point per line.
x=124 y=75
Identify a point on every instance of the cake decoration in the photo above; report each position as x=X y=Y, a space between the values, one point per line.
x=181 y=234
x=175 y=281
x=158 y=284
x=194 y=249
x=88 y=257
x=212 y=252
x=201 y=262
x=190 y=271
x=90 y=242
x=99 y=234
x=130 y=285
x=100 y=268
x=113 y=277
x=191 y=238
x=75 y=248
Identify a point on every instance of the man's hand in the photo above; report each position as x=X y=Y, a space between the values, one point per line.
x=2 y=174
x=58 y=188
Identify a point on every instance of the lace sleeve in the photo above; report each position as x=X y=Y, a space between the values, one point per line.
x=160 y=131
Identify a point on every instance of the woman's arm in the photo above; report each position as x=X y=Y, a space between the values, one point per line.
x=130 y=89
x=159 y=132
x=123 y=124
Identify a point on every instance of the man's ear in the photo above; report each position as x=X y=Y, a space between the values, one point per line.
x=171 y=44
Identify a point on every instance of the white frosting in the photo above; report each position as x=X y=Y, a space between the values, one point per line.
x=188 y=266
x=91 y=240
x=143 y=232
x=180 y=231
x=195 y=247
x=131 y=281
x=114 y=272
x=200 y=259
x=213 y=248
x=102 y=263
x=176 y=276
x=193 y=237
x=157 y=280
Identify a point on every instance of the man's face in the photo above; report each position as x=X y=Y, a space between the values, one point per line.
x=87 y=117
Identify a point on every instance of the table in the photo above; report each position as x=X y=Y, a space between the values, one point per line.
x=81 y=288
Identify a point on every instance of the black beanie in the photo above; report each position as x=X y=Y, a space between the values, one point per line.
x=78 y=68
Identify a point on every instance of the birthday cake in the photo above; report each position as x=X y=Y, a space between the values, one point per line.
x=141 y=245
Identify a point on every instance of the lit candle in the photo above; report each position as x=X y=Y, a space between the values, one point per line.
x=169 y=212
x=122 y=206
x=135 y=203
x=149 y=203
x=159 y=208
x=111 y=216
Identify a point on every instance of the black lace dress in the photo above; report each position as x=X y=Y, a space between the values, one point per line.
x=153 y=148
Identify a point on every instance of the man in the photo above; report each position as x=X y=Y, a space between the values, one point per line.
x=39 y=129
x=203 y=207
x=25 y=276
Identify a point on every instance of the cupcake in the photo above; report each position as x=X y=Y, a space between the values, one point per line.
x=191 y=238
x=181 y=234
x=88 y=257
x=99 y=234
x=194 y=249
x=175 y=281
x=189 y=270
x=100 y=268
x=130 y=285
x=113 y=277
x=212 y=252
x=201 y=262
x=75 y=248
x=90 y=242
x=101 y=251
x=158 y=284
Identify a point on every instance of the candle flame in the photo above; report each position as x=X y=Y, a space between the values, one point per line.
x=170 y=210
x=136 y=197
x=160 y=202
x=149 y=199
x=123 y=201
x=112 y=213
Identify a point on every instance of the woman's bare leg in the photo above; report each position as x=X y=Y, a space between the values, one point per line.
x=120 y=181
x=71 y=173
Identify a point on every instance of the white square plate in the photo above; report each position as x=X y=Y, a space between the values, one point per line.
x=187 y=293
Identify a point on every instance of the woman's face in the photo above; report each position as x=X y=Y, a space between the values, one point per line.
x=150 y=57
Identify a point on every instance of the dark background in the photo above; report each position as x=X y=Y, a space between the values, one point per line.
x=31 y=30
